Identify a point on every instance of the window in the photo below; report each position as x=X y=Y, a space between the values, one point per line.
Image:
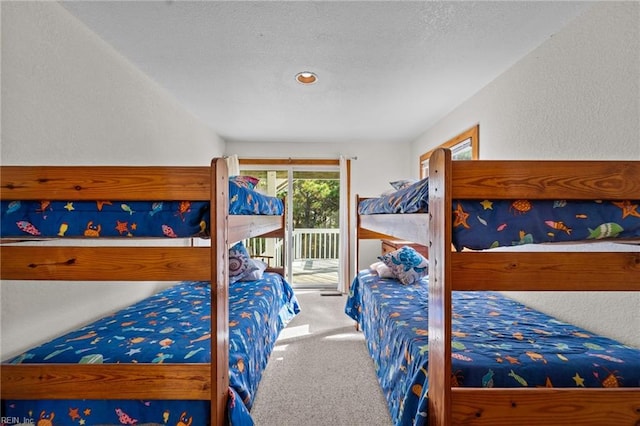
x=463 y=147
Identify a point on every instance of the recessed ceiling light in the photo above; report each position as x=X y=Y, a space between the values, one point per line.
x=306 y=77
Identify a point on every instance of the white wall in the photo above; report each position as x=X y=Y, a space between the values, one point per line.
x=69 y=98
x=576 y=96
x=377 y=164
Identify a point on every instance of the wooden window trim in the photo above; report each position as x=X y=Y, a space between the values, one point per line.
x=289 y=161
x=471 y=133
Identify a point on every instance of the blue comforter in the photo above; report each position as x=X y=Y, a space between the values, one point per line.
x=496 y=342
x=171 y=327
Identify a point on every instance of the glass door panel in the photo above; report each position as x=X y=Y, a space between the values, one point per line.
x=316 y=228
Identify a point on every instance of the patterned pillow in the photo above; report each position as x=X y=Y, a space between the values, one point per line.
x=248 y=182
x=239 y=262
x=407 y=264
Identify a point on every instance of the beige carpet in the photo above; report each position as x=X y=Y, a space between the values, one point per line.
x=320 y=372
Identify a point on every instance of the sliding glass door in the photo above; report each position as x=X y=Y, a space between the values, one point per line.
x=310 y=252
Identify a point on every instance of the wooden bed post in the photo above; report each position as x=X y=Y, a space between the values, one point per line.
x=440 y=225
x=219 y=292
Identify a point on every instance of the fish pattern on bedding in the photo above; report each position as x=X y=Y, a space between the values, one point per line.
x=483 y=224
x=496 y=342
x=94 y=219
x=172 y=326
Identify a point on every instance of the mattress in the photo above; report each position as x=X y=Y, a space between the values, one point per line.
x=94 y=219
x=497 y=342
x=172 y=326
x=483 y=224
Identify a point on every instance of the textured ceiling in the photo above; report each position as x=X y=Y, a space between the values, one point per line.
x=387 y=70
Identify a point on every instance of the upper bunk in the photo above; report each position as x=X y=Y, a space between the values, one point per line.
x=173 y=204
x=491 y=204
x=610 y=188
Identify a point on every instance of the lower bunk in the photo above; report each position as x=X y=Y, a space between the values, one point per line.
x=172 y=326
x=496 y=343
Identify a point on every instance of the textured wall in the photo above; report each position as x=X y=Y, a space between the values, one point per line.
x=69 y=97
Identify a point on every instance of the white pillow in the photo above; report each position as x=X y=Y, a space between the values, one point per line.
x=254 y=274
x=374 y=266
x=382 y=270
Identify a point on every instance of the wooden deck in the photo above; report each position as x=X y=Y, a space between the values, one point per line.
x=315 y=273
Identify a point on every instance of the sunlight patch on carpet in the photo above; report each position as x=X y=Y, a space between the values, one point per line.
x=292 y=332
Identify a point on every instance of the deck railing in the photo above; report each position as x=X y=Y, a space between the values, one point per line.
x=315 y=243
x=308 y=244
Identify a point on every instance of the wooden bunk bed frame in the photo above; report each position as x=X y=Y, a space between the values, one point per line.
x=208 y=382
x=509 y=271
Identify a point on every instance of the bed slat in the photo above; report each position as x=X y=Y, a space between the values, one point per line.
x=546 y=406
x=549 y=180
x=100 y=263
x=112 y=381
x=242 y=226
x=84 y=183
x=562 y=271
x=410 y=227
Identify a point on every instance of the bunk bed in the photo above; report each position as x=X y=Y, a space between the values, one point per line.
x=202 y=302
x=425 y=338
